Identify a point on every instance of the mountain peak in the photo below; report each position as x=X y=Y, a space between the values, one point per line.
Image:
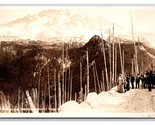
x=95 y=44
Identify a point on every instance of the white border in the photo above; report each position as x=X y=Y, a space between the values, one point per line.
x=77 y=2
x=86 y=2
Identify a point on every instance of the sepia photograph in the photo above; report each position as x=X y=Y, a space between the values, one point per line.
x=77 y=61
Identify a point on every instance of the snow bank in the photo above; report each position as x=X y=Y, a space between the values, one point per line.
x=104 y=102
x=70 y=107
x=113 y=97
x=108 y=98
x=92 y=99
x=85 y=107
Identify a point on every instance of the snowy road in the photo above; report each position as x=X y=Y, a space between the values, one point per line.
x=134 y=101
x=140 y=101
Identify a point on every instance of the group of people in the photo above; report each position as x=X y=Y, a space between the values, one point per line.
x=131 y=81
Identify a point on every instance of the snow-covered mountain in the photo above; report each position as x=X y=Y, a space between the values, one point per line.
x=50 y=25
x=67 y=25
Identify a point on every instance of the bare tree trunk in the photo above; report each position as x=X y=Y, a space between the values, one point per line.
x=136 y=59
x=87 y=92
x=65 y=86
x=81 y=87
x=104 y=57
x=80 y=74
x=63 y=74
x=66 y=72
x=132 y=65
x=38 y=100
x=59 y=91
x=36 y=97
x=97 y=78
x=32 y=107
x=69 y=75
x=33 y=96
x=42 y=101
x=123 y=62
x=49 y=91
x=44 y=106
x=71 y=87
x=19 y=99
x=115 y=65
x=120 y=51
x=94 y=78
x=143 y=66
x=75 y=96
x=104 y=89
x=55 y=90
x=113 y=69
x=22 y=103
x=135 y=73
x=110 y=78
x=113 y=57
x=9 y=106
x=123 y=68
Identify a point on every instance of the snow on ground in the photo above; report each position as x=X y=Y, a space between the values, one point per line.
x=108 y=101
x=132 y=103
x=70 y=106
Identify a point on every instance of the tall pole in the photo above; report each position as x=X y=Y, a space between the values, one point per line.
x=19 y=100
x=132 y=65
x=123 y=66
x=87 y=58
x=49 y=91
x=38 y=101
x=65 y=85
x=115 y=64
x=81 y=87
x=110 y=70
x=63 y=74
x=55 y=89
x=80 y=74
x=104 y=57
x=71 y=87
x=97 y=77
x=59 y=91
x=94 y=78
x=120 y=51
x=136 y=60
x=113 y=53
x=22 y=103
x=104 y=86
x=69 y=82
x=135 y=64
x=42 y=96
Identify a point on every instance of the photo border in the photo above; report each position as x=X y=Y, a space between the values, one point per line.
x=95 y=3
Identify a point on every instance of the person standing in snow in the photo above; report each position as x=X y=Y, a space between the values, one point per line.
x=150 y=80
x=132 y=80
x=137 y=81
x=120 y=80
x=142 y=81
x=146 y=78
x=120 y=87
x=153 y=79
x=128 y=83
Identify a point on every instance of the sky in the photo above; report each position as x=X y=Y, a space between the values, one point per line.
x=143 y=16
